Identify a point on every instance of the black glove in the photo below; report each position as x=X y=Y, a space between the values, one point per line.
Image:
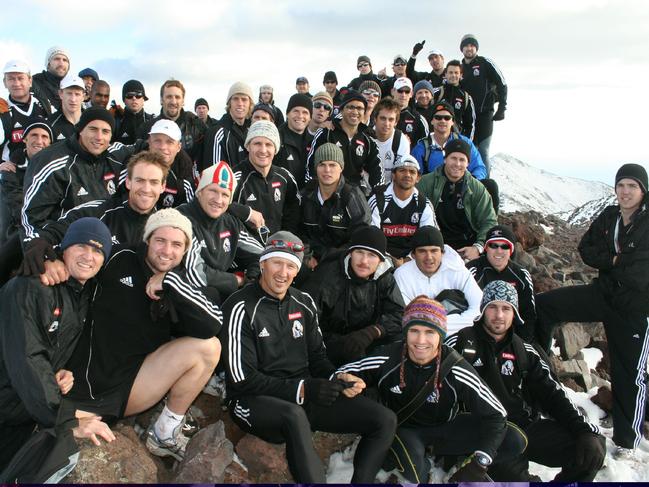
x=416 y=49
x=590 y=451
x=36 y=253
x=322 y=391
x=499 y=115
x=470 y=471
x=356 y=342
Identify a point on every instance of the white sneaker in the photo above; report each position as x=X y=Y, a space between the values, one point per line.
x=170 y=447
x=622 y=453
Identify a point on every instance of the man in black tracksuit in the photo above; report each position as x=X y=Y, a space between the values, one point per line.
x=457 y=97
x=411 y=123
x=71 y=173
x=486 y=85
x=172 y=98
x=221 y=243
x=330 y=207
x=436 y=60
x=522 y=382
x=496 y=264
x=262 y=185
x=39 y=329
x=427 y=384
x=133 y=116
x=359 y=149
x=364 y=66
x=279 y=380
x=47 y=83
x=226 y=140
x=359 y=303
x=617 y=244
x=295 y=138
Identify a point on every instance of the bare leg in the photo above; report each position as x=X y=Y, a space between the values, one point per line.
x=181 y=367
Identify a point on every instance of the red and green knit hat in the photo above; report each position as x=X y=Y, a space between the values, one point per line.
x=425 y=312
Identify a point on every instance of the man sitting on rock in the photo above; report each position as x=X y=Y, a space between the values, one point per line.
x=617 y=244
x=496 y=264
x=558 y=435
x=437 y=271
x=279 y=380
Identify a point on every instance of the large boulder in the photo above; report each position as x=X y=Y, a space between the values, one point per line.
x=571 y=338
x=266 y=462
x=207 y=456
x=573 y=369
x=123 y=461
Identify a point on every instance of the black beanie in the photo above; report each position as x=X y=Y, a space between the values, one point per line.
x=426 y=237
x=469 y=39
x=330 y=76
x=369 y=238
x=88 y=231
x=441 y=106
x=352 y=95
x=635 y=172
x=501 y=233
x=265 y=107
x=201 y=101
x=95 y=113
x=38 y=123
x=133 y=86
x=457 y=145
x=299 y=100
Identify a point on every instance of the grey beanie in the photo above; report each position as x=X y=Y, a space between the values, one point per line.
x=285 y=245
x=423 y=85
x=469 y=39
x=240 y=88
x=330 y=152
x=263 y=128
x=500 y=291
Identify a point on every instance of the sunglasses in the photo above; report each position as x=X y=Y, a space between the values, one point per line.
x=263 y=231
x=319 y=104
x=283 y=244
x=494 y=246
x=357 y=108
x=130 y=96
x=371 y=93
x=442 y=117
x=399 y=64
x=363 y=65
x=404 y=90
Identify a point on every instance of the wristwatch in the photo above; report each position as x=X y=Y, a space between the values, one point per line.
x=482 y=459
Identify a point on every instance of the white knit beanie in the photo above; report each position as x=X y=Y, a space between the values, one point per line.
x=53 y=51
x=263 y=128
x=169 y=217
x=240 y=88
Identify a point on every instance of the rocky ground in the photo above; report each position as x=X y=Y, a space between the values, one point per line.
x=222 y=453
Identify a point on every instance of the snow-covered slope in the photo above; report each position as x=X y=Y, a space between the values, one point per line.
x=585 y=214
x=524 y=187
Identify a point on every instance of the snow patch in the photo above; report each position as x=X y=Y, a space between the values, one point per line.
x=592 y=356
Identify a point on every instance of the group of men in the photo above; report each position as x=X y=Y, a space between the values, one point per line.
x=348 y=243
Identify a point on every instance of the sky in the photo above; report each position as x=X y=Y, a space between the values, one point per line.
x=575 y=107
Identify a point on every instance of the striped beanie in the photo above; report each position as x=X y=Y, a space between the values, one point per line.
x=500 y=291
x=219 y=174
x=425 y=312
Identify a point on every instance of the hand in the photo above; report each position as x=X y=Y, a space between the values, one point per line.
x=499 y=115
x=356 y=342
x=322 y=391
x=615 y=259
x=92 y=426
x=36 y=253
x=154 y=286
x=357 y=388
x=55 y=273
x=312 y=263
x=241 y=278
x=8 y=166
x=470 y=471
x=416 y=49
x=65 y=380
x=469 y=253
x=590 y=452
x=256 y=219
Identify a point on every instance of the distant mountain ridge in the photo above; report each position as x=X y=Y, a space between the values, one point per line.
x=525 y=188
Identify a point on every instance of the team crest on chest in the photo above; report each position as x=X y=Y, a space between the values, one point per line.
x=507 y=368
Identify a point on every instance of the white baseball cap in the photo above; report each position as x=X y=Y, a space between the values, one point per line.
x=402 y=83
x=435 y=51
x=72 y=80
x=17 y=66
x=168 y=128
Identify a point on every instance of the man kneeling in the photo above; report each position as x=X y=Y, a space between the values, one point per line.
x=126 y=359
x=279 y=379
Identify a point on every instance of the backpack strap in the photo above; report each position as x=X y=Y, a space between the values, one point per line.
x=426 y=153
x=451 y=359
x=396 y=142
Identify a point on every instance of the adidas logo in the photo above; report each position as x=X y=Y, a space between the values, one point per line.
x=82 y=191
x=252 y=197
x=263 y=333
x=478 y=363
x=114 y=240
x=290 y=157
x=60 y=137
x=240 y=149
x=636 y=336
x=127 y=281
x=17 y=125
x=395 y=389
x=387 y=220
x=125 y=134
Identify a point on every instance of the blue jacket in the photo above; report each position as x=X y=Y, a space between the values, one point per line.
x=436 y=156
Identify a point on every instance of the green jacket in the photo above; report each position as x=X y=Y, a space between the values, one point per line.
x=477 y=201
